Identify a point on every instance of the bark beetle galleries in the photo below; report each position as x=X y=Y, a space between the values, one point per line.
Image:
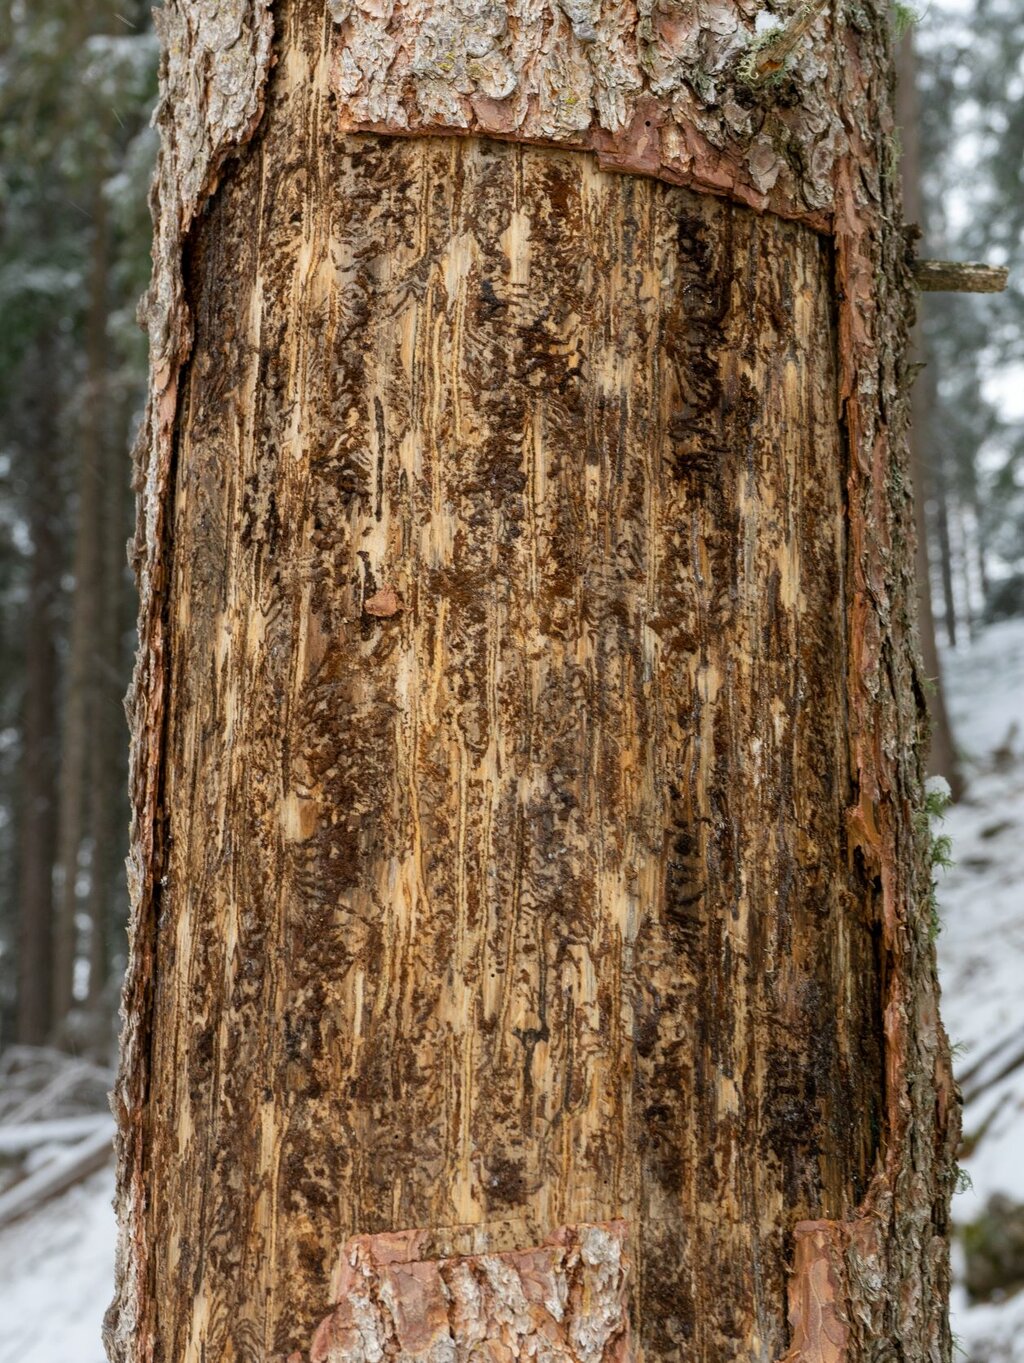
x=509 y=858
x=522 y=770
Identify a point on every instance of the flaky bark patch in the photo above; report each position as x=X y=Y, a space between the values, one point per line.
x=652 y=89
x=817 y=1295
x=566 y=1300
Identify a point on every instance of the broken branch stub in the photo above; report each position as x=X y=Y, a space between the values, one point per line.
x=959 y=276
x=771 y=53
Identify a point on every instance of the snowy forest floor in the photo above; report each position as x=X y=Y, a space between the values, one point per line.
x=56 y=1266
x=981 y=960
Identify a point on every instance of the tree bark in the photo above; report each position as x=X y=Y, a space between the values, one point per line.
x=530 y=945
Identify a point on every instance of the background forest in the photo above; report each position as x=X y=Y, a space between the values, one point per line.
x=77 y=86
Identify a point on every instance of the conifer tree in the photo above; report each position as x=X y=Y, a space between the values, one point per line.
x=531 y=942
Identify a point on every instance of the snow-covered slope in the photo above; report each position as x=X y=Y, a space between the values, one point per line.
x=56 y=1277
x=981 y=953
x=56 y=1267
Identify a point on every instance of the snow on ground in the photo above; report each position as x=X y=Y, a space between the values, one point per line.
x=56 y=1277
x=981 y=952
x=56 y=1268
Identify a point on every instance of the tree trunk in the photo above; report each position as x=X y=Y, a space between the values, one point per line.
x=107 y=756
x=942 y=754
x=530 y=913
x=943 y=759
x=978 y=542
x=80 y=683
x=963 y=536
x=949 y=608
x=37 y=831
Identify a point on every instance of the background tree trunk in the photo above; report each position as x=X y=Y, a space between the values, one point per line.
x=79 y=77
x=949 y=606
x=86 y=608
x=107 y=812
x=37 y=832
x=525 y=866
x=942 y=753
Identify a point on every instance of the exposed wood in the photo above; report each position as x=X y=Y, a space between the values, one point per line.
x=959 y=276
x=526 y=747
x=524 y=833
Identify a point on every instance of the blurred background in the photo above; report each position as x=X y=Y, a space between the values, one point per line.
x=77 y=87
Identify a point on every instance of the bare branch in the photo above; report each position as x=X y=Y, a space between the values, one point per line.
x=959 y=276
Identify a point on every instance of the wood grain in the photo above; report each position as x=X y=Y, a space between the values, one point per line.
x=508 y=880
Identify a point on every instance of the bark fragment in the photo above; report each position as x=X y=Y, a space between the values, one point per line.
x=383 y=604
x=652 y=89
x=566 y=1301
x=817 y=1295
